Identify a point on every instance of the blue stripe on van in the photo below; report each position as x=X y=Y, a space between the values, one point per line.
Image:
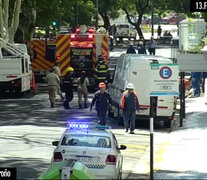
x=164 y=94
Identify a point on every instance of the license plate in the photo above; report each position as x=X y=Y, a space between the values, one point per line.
x=83 y=159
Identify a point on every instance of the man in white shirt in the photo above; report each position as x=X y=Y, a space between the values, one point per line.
x=58 y=72
x=152 y=46
x=53 y=82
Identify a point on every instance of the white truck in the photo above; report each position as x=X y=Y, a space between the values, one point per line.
x=125 y=31
x=15 y=68
x=136 y=69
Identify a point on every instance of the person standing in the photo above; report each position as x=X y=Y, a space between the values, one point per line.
x=67 y=87
x=152 y=46
x=102 y=99
x=82 y=89
x=204 y=76
x=102 y=72
x=131 y=49
x=196 y=79
x=53 y=82
x=129 y=104
x=159 y=31
x=58 y=72
x=141 y=48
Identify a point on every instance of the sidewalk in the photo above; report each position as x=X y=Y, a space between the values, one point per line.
x=182 y=155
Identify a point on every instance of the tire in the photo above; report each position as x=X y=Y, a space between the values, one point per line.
x=120 y=176
x=111 y=114
x=167 y=124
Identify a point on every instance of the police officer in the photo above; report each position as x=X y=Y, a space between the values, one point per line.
x=131 y=49
x=141 y=48
x=67 y=87
x=129 y=104
x=102 y=99
x=102 y=72
x=53 y=82
x=82 y=89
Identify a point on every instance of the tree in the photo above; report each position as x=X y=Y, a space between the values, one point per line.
x=9 y=18
x=108 y=9
x=139 y=7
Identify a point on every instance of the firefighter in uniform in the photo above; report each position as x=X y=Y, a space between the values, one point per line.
x=102 y=99
x=67 y=87
x=53 y=82
x=102 y=72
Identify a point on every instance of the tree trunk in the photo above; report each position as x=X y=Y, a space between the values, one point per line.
x=15 y=21
x=137 y=24
x=139 y=31
x=106 y=20
x=6 y=14
x=1 y=21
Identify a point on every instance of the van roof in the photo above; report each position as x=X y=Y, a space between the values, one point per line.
x=145 y=59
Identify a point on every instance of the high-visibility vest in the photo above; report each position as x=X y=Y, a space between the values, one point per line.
x=102 y=72
x=123 y=101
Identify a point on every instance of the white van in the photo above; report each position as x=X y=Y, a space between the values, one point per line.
x=134 y=68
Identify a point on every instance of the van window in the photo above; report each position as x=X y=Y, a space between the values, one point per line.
x=50 y=52
x=23 y=68
x=5 y=52
x=124 y=26
x=26 y=66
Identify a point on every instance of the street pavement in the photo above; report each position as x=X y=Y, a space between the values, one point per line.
x=28 y=126
x=182 y=153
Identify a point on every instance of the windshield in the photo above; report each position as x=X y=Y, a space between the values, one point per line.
x=86 y=140
x=123 y=26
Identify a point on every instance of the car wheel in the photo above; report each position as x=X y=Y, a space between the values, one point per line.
x=120 y=175
x=167 y=124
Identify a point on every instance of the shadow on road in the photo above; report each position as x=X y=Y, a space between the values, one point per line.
x=26 y=168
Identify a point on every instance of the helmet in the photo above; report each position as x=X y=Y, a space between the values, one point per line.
x=105 y=56
x=83 y=72
x=130 y=86
x=102 y=85
x=101 y=57
x=70 y=69
x=131 y=44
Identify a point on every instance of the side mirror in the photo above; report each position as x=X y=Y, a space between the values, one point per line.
x=55 y=143
x=122 y=147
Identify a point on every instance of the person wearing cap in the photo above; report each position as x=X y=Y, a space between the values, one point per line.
x=53 y=82
x=141 y=48
x=131 y=49
x=102 y=72
x=129 y=105
x=58 y=72
x=82 y=89
x=103 y=100
x=67 y=87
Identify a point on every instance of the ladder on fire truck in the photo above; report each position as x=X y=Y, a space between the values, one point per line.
x=15 y=51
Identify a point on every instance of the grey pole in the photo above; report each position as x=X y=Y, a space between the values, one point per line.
x=152 y=18
x=96 y=14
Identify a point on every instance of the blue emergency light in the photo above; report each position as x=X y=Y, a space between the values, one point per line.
x=77 y=126
x=85 y=126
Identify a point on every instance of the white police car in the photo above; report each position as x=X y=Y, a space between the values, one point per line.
x=96 y=147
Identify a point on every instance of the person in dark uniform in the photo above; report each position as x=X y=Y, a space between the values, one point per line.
x=67 y=87
x=141 y=48
x=102 y=99
x=102 y=72
x=131 y=49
